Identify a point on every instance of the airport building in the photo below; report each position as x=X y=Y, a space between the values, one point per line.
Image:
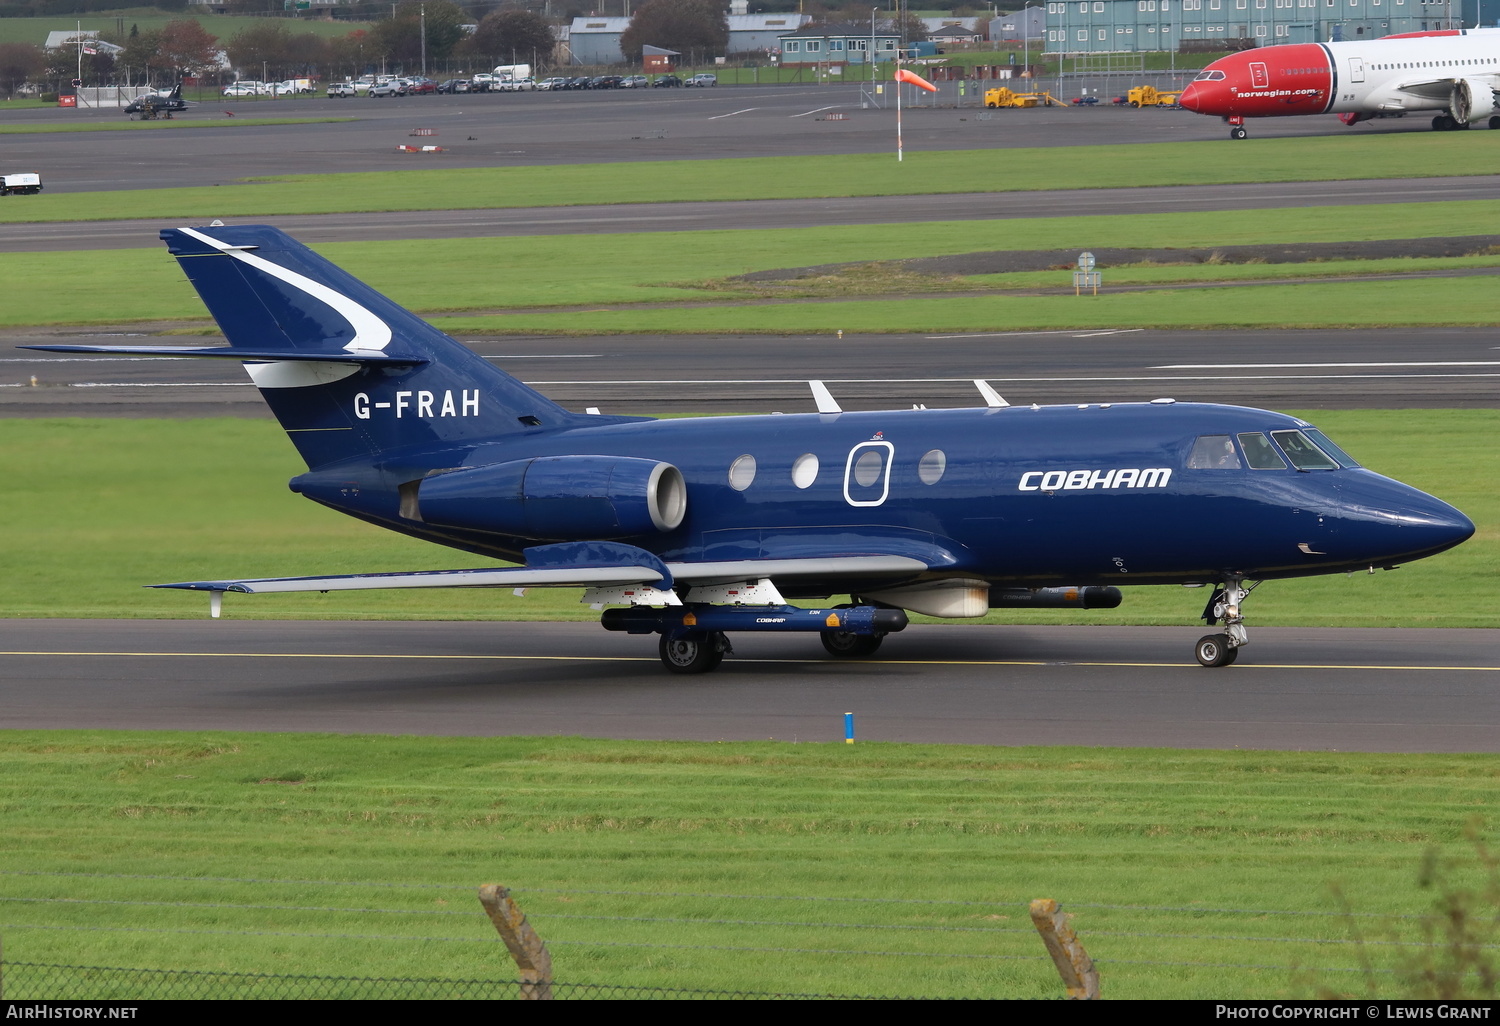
x=596 y=40
x=1126 y=26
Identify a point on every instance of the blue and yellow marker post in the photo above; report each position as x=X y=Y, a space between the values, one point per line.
x=848 y=728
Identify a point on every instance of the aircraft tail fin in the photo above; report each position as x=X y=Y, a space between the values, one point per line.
x=390 y=379
x=347 y=372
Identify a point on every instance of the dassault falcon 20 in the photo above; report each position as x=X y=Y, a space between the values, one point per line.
x=694 y=528
x=1453 y=72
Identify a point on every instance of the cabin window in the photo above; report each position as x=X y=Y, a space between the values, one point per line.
x=868 y=467
x=1322 y=442
x=1302 y=452
x=1214 y=452
x=1260 y=453
x=930 y=468
x=804 y=470
x=742 y=473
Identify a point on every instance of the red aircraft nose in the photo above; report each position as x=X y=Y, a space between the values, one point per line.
x=1194 y=98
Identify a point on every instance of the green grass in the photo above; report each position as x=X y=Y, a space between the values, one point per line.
x=758 y=866
x=1454 y=301
x=181 y=121
x=107 y=506
x=1225 y=273
x=1085 y=167
x=604 y=270
x=34 y=30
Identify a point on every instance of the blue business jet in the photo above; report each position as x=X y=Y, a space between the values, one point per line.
x=694 y=528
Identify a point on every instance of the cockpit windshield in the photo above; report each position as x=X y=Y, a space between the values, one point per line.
x=1210 y=76
x=1303 y=452
x=1327 y=446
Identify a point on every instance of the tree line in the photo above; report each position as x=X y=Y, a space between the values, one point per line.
x=271 y=48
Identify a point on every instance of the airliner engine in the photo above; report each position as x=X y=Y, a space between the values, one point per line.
x=558 y=498
x=1473 y=100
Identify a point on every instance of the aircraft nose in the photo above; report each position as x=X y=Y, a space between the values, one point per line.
x=1393 y=522
x=1192 y=97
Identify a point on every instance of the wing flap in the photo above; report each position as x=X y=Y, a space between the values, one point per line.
x=517 y=577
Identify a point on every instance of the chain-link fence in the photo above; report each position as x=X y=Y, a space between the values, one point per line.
x=40 y=981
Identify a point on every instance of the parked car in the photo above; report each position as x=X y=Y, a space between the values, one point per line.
x=634 y=82
x=666 y=82
x=363 y=85
x=1085 y=101
x=342 y=89
x=549 y=84
x=418 y=86
x=244 y=89
x=454 y=85
x=516 y=85
x=703 y=79
x=395 y=87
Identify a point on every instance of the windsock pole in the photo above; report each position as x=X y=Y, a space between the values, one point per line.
x=898 y=110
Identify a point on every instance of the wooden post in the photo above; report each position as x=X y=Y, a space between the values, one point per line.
x=1073 y=963
x=525 y=946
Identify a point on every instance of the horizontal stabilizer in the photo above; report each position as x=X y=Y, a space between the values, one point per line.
x=237 y=353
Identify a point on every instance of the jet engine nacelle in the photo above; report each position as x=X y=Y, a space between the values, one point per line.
x=1473 y=100
x=562 y=498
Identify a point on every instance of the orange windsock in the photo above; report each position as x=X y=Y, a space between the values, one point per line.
x=911 y=77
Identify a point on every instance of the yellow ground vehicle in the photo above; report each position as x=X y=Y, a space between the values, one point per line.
x=1003 y=97
x=1149 y=96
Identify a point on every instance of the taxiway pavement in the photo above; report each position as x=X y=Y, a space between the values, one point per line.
x=1293 y=688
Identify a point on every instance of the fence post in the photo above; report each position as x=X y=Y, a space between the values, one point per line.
x=1073 y=963
x=525 y=946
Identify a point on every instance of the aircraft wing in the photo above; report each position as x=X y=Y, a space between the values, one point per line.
x=721 y=572
x=1427 y=89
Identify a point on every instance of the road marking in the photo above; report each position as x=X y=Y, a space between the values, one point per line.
x=651 y=659
x=1111 y=331
x=1295 y=366
x=545 y=356
x=818 y=111
x=1120 y=379
x=732 y=113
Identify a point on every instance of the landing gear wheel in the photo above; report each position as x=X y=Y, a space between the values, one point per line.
x=1495 y=121
x=696 y=653
x=1237 y=132
x=850 y=646
x=1215 y=650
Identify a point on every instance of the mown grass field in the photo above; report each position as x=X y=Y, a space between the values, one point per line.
x=107 y=506
x=1085 y=167
x=34 y=30
x=724 y=866
x=602 y=272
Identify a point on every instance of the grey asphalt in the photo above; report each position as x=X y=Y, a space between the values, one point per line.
x=517 y=129
x=1393 y=368
x=1312 y=689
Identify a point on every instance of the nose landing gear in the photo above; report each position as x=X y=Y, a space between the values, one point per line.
x=1224 y=606
x=1236 y=127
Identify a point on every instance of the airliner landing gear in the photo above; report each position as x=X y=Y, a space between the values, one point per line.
x=851 y=646
x=1236 y=127
x=694 y=653
x=1495 y=121
x=1224 y=606
x=1448 y=123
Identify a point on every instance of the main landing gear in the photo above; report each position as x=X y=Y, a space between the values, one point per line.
x=1449 y=123
x=694 y=653
x=1224 y=607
